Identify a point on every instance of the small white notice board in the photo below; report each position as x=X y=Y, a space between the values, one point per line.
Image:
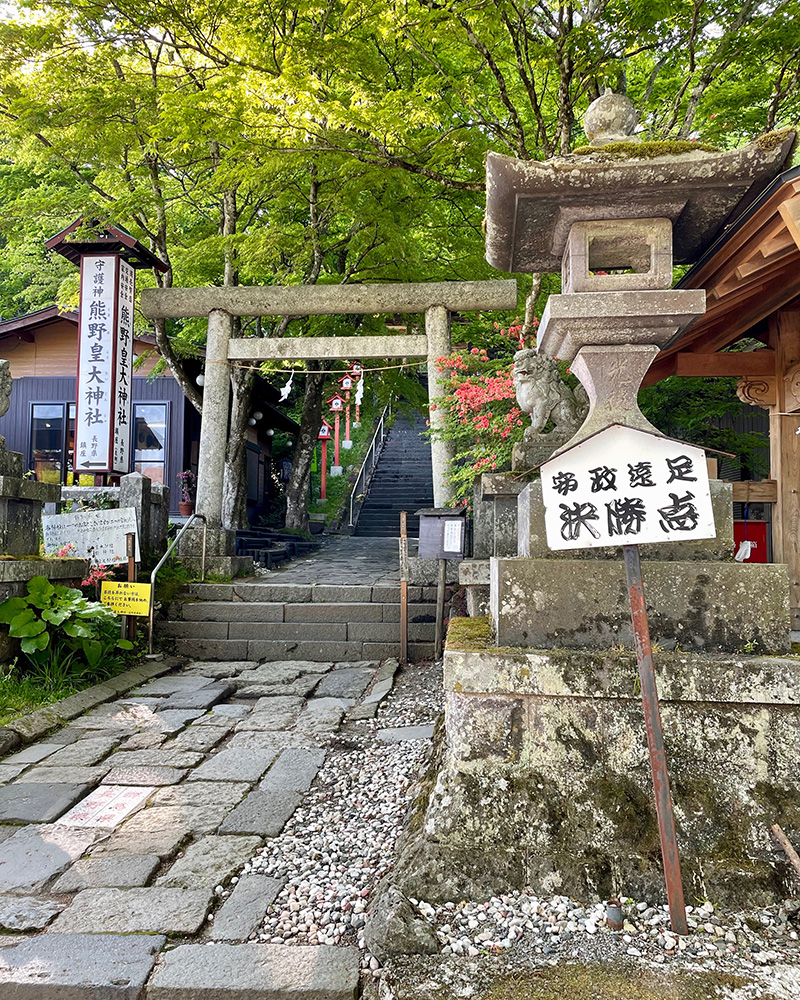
x=624 y=486
x=98 y=535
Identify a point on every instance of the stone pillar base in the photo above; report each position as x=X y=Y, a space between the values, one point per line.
x=335 y=470
x=541 y=775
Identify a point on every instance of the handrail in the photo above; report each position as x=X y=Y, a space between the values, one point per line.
x=163 y=559
x=371 y=453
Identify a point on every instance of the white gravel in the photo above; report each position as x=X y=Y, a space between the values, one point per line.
x=340 y=842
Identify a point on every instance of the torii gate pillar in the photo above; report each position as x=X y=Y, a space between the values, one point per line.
x=443 y=453
x=214 y=425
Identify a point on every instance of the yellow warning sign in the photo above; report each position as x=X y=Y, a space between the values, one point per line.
x=126 y=598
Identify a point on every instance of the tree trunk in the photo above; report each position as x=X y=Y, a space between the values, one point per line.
x=310 y=423
x=234 y=490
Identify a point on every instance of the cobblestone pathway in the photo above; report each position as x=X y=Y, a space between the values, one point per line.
x=125 y=833
x=347 y=559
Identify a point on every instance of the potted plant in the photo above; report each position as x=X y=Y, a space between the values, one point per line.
x=187 y=482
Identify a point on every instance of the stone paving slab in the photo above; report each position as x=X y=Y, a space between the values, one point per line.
x=209 y=861
x=78 y=967
x=33 y=754
x=34 y=854
x=165 y=686
x=256 y=972
x=223 y=715
x=267 y=739
x=134 y=911
x=147 y=740
x=234 y=765
x=220 y=668
x=324 y=714
x=293 y=771
x=345 y=682
x=263 y=813
x=37 y=802
x=8 y=772
x=198 y=739
x=243 y=911
x=203 y=697
x=106 y=806
x=152 y=775
x=403 y=733
x=202 y=793
x=164 y=756
x=65 y=776
x=27 y=913
x=108 y=873
x=84 y=753
x=153 y=831
x=172 y=720
x=275 y=713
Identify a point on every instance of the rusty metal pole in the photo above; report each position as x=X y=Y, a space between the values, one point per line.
x=655 y=741
x=403 y=589
x=440 y=592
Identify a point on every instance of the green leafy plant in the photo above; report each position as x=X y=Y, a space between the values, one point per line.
x=62 y=634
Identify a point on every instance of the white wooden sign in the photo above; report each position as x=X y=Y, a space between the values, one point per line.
x=105 y=365
x=123 y=372
x=453 y=536
x=624 y=486
x=98 y=535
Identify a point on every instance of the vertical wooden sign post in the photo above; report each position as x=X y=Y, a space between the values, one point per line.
x=624 y=487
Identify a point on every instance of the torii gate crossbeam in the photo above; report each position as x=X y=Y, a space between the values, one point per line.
x=435 y=299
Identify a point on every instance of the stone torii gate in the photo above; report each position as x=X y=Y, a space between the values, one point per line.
x=219 y=304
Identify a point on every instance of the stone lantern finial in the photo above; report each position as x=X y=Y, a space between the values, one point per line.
x=611 y=118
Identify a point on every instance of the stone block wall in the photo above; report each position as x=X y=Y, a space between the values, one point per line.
x=708 y=606
x=544 y=777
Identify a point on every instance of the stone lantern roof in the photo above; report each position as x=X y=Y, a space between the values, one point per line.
x=531 y=205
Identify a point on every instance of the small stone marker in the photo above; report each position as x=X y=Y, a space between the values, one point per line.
x=107 y=806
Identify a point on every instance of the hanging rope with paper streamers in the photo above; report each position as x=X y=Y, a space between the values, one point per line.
x=287 y=388
x=360 y=390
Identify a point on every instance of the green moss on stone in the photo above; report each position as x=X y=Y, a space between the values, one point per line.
x=646 y=150
x=769 y=140
x=470 y=634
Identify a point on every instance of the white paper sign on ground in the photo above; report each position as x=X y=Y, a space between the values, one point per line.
x=107 y=806
x=624 y=486
x=98 y=535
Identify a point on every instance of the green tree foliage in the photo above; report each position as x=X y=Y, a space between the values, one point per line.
x=303 y=143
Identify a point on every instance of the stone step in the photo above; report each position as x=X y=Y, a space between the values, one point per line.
x=377 y=631
x=269 y=593
x=286 y=649
x=259 y=612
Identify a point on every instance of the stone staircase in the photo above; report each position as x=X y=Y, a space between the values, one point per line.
x=403 y=480
x=317 y=622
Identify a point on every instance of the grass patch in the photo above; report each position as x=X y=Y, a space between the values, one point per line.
x=21 y=695
x=597 y=982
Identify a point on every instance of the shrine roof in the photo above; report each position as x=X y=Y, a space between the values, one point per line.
x=749 y=272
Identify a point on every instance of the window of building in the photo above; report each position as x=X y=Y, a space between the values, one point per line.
x=47 y=442
x=150 y=427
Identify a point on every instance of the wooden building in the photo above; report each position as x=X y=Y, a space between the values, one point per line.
x=751 y=329
x=41 y=348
